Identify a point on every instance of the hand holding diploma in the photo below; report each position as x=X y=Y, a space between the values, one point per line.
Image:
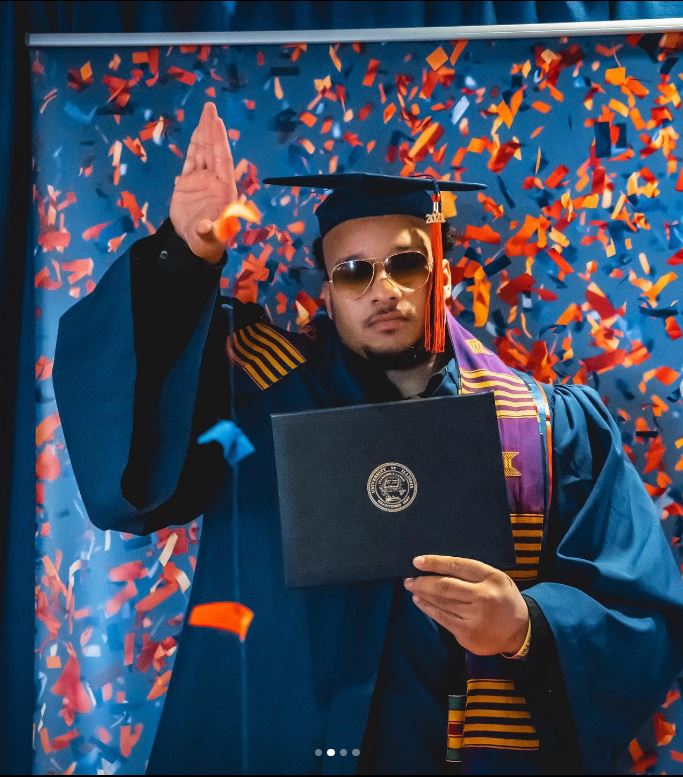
x=480 y=605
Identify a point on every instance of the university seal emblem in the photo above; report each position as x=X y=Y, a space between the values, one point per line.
x=392 y=487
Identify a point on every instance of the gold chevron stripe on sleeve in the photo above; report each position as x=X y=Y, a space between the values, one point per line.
x=248 y=342
x=253 y=358
x=268 y=331
x=253 y=333
x=251 y=372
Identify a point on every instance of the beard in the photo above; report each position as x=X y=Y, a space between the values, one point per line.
x=401 y=359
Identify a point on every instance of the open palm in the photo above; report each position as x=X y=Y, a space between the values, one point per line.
x=205 y=187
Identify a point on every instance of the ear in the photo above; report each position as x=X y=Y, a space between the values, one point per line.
x=447 y=280
x=325 y=295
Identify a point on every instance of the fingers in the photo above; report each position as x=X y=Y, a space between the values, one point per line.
x=208 y=116
x=223 y=162
x=209 y=148
x=443 y=588
x=448 y=620
x=191 y=157
x=462 y=568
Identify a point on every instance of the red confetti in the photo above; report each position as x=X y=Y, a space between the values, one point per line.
x=75 y=700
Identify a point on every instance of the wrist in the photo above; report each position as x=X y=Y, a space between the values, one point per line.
x=176 y=245
x=524 y=646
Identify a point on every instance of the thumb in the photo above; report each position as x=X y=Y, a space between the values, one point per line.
x=205 y=229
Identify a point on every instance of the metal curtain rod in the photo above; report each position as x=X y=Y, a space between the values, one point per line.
x=386 y=34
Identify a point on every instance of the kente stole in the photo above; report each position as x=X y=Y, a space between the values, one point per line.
x=490 y=726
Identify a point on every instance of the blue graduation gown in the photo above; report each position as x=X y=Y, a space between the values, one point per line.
x=303 y=680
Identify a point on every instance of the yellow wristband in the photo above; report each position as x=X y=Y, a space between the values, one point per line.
x=525 y=646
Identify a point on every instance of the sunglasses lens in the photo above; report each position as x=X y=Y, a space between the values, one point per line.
x=352 y=278
x=409 y=269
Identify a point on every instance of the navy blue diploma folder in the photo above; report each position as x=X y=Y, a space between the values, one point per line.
x=365 y=489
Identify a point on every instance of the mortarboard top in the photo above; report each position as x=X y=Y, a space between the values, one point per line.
x=358 y=195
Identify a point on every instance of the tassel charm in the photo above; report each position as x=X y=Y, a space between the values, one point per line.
x=435 y=307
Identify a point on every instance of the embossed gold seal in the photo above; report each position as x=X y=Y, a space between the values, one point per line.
x=392 y=487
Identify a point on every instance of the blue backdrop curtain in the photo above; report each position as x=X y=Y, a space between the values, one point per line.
x=17 y=358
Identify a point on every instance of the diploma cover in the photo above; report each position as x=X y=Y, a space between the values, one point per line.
x=365 y=489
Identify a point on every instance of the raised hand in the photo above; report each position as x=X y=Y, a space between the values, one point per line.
x=205 y=187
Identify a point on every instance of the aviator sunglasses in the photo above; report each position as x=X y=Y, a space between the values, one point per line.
x=352 y=278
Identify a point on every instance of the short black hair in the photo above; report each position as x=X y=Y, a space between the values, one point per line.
x=449 y=235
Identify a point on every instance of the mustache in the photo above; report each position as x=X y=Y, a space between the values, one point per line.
x=385 y=311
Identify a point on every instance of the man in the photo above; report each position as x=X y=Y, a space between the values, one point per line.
x=151 y=359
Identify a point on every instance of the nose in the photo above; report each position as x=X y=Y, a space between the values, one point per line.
x=383 y=288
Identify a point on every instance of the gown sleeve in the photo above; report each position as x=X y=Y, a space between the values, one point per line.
x=139 y=372
x=612 y=593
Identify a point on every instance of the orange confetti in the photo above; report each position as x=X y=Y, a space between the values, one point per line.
x=427 y=140
x=47 y=464
x=555 y=178
x=672 y=328
x=437 y=58
x=483 y=234
x=335 y=59
x=664 y=731
x=160 y=686
x=604 y=361
x=184 y=76
x=481 y=293
x=664 y=374
x=371 y=72
x=540 y=106
x=503 y=156
x=94 y=232
x=307 y=118
x=46 y=429
x=227 y=616
x=277 y=86
x=457 y=51
x=228 y=225
x=615 y=75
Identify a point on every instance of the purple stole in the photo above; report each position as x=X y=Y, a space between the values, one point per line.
x=490 y=729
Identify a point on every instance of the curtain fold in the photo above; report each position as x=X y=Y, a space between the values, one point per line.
x=17 y=352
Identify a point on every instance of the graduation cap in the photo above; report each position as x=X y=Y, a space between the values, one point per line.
x=359 y=195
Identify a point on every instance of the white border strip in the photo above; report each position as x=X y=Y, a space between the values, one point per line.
x=385 y=34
